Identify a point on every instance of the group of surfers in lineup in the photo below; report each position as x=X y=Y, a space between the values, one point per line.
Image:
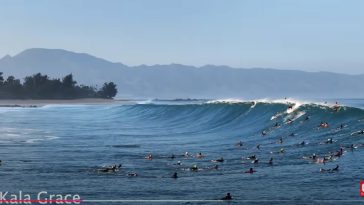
x=329 y=157
x=254 y=159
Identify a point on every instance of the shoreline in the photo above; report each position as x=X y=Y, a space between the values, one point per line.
x=41 y=102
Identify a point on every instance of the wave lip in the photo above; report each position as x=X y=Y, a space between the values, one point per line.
x=284 y=101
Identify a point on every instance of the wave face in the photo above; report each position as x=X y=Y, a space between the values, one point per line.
x=56 y=142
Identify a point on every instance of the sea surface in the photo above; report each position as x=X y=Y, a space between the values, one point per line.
x=62 y=148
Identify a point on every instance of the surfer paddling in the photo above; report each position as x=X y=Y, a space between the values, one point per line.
x=149 y=157
x=258 y=146
x=250 y=171
x=303 y=143
x=132 y=174
x=218 y=160
x=200 y=155
x=329 y=141
x=360 y=132
x=323 y=125
x=330 y=170
x=227 y=197
x=239 y=144
x=112 y=168
x=175 y=176
x=253 y=157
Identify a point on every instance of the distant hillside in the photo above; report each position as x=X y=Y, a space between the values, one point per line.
x=180 y=81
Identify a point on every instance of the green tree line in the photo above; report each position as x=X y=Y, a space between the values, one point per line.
x=40 y=86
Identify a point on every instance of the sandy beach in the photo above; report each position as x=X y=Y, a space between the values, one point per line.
x=38 y=103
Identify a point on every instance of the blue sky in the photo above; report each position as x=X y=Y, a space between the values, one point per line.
x=312 y=35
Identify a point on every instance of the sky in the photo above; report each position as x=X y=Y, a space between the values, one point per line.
x=310 y=35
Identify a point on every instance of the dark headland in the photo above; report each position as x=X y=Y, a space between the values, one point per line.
x=41 y=87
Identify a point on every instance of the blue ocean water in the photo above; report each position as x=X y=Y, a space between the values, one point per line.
x=60 y=148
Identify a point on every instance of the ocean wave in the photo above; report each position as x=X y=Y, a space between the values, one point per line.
x=296 y=103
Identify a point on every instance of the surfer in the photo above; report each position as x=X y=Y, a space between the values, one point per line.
x=187 y=154
x=360 y=132
x=270 y=161
x=239 y=144
x=336 y=107
x=324 y=170
x=132 y=174
x=339 y=153
x=280 y=140
x=175 y=175
x=336 y=168
x=227 y=197
x=173 y=156
x=112 y=168
x=302 y=143
x=326 y=159
x=253 y=157
x=281 y=150
x=351 y=147
x=330 y=170
x=255 y=161
x=329 y=141
x=194 y=168
x=250 y=171
x=216 y=167
x=321 y=160
x=313 y=157
x=258 y=146
x=324 y=125
x=149 y=157
x=307 y=118
x=200 y=155
x=218 y=160
x=264 y=133
x=276 y=125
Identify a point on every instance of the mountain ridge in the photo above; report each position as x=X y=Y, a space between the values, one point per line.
x=182 y=81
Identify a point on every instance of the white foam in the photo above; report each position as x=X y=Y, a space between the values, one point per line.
x=228 y=101
x=65 y=106
x=21 y=135
x=33 y=140
x=144 y=102
x=287 y=101
x=11 y=109
x=296 y=116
